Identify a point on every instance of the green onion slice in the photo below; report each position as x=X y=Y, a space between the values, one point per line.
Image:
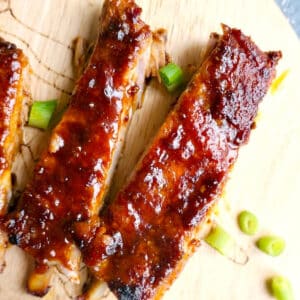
x=41 y=113
x=281 y=288
x=248 y=222
x=271 y=245
x=171 y=76
x=220 y=240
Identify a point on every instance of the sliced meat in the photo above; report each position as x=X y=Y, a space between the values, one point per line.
x=145 y=236
x=73 y=174
x=13 y=66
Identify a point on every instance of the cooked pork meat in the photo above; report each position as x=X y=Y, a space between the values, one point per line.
x=13 y=65
x=143 y=238
x=73 y=174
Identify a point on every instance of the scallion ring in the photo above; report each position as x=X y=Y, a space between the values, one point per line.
x=171 y=76
x=41 y=113
x=248 y=222
x=271 y=245
x=220 y=240
x=281 y=288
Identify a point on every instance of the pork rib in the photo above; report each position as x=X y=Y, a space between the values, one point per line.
x=73 y=174
x=13 y=66
x=144 y=237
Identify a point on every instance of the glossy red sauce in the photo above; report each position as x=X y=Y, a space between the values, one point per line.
x=70 y=179
x=140 y=239
x=10 y=72
x=12 y=63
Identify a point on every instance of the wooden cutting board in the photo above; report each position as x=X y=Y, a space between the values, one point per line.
x=266 y=178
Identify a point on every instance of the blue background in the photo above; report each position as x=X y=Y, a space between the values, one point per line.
x=291 y=8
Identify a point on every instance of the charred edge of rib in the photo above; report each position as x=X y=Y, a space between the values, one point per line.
x=125 y=291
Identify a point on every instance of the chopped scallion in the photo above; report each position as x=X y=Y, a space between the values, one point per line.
x=171 y=76
x=271 y=245
x=220 y=240
x=248 y=222
x=281 y=288
x=41 y=113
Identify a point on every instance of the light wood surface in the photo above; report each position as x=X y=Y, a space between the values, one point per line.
x=266 y=178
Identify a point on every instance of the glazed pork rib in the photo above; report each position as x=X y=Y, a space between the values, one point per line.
x=13 y=66
x=144 y=237
x=72 y=175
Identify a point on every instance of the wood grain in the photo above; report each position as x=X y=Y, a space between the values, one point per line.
x=266 y=177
